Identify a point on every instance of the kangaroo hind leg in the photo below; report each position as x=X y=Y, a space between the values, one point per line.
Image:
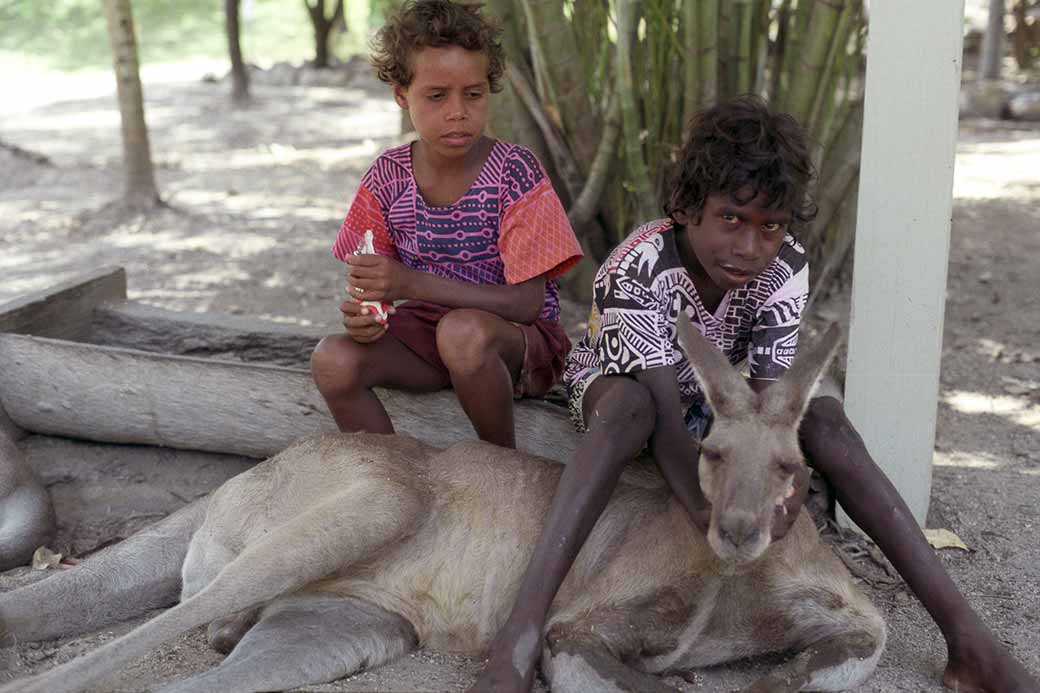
x=838 y=637
x=303 y=640
x=334 y=533
x=576 y=660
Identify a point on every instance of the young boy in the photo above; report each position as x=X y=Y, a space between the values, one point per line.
x=724 y=257
x=465 y=228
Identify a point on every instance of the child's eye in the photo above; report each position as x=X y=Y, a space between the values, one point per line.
x=773 y=228
x=435 y=96
x=730 y=218
x=475 y=94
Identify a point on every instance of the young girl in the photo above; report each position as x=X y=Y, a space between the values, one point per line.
x=465 y=227
x=724 y=257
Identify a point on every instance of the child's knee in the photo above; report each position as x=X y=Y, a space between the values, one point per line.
x=627 y=404
x=466 y=338
x=824 y=415
x=337 y=365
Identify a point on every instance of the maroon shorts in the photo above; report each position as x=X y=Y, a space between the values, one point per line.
x=414 y=323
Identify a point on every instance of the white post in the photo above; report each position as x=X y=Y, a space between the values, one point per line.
x=903 y=236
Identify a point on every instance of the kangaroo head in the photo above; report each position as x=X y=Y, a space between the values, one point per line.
x=750 y=456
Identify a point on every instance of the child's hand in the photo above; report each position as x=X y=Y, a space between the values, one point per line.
x=361 y=323
x=377 y=278
x=787 y=512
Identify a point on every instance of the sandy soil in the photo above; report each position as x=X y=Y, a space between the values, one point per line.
x=256 y=197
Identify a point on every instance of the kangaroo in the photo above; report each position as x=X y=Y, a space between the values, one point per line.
x=347 y=551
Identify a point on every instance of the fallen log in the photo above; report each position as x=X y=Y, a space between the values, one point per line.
x=26 y=514
x=66 y=310
x=202 y=335
x=119 y=395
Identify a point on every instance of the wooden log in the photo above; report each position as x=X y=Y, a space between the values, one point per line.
x=204 y=335
x=129 y=396
x=26 y=514
x=64 y=311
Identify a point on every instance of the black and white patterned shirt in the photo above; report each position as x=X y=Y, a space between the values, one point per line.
x=643 y=285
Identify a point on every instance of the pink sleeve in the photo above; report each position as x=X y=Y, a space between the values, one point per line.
x=536 y=237
x=365 y=214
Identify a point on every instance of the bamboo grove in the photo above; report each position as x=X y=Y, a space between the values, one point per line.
x=601 y=90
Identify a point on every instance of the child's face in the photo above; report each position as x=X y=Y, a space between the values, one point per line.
x=732 y=243
x=448 y=98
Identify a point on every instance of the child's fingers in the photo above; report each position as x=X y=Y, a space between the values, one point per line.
x=363 y=320
x=367 y=291
x=365 y=261
x=351 y=307
x=366 y=333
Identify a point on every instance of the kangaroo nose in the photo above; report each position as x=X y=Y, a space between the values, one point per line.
x=739 y=529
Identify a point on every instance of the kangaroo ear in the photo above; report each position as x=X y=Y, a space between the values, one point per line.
x=727 y=392
x=785 y=402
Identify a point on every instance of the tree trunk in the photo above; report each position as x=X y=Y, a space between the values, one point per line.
x=239 y=75
x=141 y=191
x=1025 y=37
x=993 y=42
x=323 y=28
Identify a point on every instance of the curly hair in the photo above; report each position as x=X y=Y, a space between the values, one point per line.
x=434 y=24
x=744 y=149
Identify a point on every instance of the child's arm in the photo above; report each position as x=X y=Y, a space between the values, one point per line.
x=379 y=278
x=674 y=450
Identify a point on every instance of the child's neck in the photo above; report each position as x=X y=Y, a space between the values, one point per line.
x=442 y=180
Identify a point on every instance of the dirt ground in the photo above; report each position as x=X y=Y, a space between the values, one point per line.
x=255 y=199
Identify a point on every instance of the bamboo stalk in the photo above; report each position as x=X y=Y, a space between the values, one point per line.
x=743 y=67
x=851 y=70
x=813 y=57
x=841 y=240
x=837 y=89
x=636 y=173
x=562 y=75
x=841 y=165
x=760 y=56
x=570 y=173
x=835 y=54
x=691 y=60
x=708 y=54
x=783 y=21
x=796 y=39
x=728 y=36
x=584 y=207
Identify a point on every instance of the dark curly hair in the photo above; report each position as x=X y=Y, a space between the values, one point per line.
x=744 y=149
x=435 y=24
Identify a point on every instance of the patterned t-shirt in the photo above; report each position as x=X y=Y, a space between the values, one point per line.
x=643 y=285
x=507 y=228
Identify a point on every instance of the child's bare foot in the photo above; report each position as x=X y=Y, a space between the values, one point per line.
x=979 y=663
x=511 y=665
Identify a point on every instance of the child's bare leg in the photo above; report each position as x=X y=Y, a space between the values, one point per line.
x=484 y=354
x=346 y=371
x=977 y=660
x=620 y=415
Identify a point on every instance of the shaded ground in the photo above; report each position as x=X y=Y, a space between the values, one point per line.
x=256 y=198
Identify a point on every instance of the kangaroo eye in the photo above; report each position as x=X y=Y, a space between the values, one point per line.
x=789 y=466
x=712 y=455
